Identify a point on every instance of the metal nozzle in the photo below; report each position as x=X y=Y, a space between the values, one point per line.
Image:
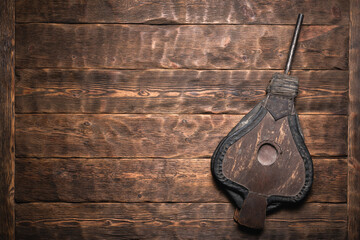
x=293 y=43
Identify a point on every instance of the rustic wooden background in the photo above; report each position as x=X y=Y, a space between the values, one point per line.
x=120 y=104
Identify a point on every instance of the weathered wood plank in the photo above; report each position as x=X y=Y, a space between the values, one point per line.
x=170 y=91
x=190 y=46
x=157 y=135
x=172 y=221
x=182 y=12
x=354 y=125
x=7 y=118
x=147 y=180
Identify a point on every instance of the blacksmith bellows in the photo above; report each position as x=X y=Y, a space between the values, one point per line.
x=263 y=162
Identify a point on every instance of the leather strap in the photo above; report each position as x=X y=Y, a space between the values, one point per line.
x=283 y=85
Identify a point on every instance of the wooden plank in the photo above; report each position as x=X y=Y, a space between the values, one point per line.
x=184 y=136
x=172 y=221
x=7 y=118
x=147 y=180
x=354 y=124
x=178 y=46
x=183 y=12
x=170 y=91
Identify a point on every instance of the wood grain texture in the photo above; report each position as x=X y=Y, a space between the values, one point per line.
x=354 y=124
x=153 y=135
x=185 y=46
x=7 y=119
x=283 y=177
x=172 y=221
x=182 y=12
x=170 y=91
x=147 y=180
x=130 y=136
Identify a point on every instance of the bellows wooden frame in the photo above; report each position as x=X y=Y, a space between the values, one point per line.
x=264 y=161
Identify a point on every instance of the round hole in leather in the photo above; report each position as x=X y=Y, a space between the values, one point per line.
x=267 y=154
